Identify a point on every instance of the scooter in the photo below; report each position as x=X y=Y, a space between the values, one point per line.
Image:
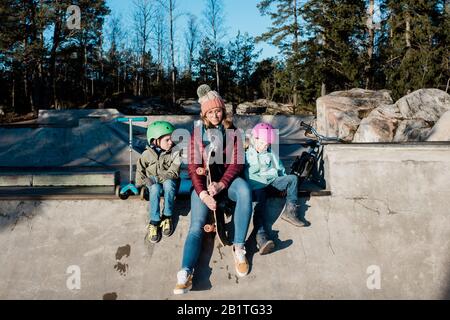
x=123 y=191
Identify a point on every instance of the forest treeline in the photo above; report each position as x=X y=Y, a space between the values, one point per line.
x=65 y=54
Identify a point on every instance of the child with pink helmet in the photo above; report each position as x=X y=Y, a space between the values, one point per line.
x=264 y=170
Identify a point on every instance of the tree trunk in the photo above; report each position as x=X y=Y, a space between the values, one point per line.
x=295 y=100
x=371 y=31
x=52 y=61
x=323 y=90
x=408 y=30
x=295 y=45
x=171 y=8
x=13 y=96
x=217 y=77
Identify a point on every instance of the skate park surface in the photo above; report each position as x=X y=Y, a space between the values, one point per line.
x=382 y=233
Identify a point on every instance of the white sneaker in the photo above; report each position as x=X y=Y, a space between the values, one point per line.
x=184 y=282
x=240 y=261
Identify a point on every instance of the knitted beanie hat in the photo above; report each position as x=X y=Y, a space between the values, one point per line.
x=209 y=99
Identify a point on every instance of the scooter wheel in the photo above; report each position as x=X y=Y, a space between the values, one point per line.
x=123 y=196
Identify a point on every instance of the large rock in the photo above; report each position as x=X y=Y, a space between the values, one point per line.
x=274 y=108
x=190 y=106
x=229 y=108
x=250 y=108
x=380 y=126
x=426 y=104
x=339 y=114
x=409 y=119
x=441 y=130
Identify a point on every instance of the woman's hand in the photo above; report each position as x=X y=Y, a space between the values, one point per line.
x=209 y=201
x=215 y=188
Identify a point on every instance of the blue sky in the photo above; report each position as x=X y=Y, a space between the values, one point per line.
x=240 y=15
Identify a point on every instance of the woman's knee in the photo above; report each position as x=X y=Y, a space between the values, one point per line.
x=242 y=189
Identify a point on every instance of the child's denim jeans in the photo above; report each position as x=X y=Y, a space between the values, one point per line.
x=288 y=183
x=169 y=189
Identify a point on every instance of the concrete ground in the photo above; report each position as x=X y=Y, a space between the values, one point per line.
x=47 y=245
x=384 y=233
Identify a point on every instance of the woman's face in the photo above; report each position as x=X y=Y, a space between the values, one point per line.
x=215 y=116
x=261 y=145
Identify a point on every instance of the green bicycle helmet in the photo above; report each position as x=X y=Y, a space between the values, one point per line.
x=158 y=129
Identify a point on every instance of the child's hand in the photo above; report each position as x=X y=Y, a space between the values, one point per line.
x=149 y=181
x=215 y=188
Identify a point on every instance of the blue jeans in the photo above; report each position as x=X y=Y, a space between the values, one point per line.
x=239 y=192
x=288 y=183
x=169 y=189
x=259 y=196
x=282 y=183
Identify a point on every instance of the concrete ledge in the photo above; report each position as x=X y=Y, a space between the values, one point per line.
x=58 y=178
x=7 y=180
x=75 y=179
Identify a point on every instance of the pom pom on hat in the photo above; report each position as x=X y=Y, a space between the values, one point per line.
x=209 y=99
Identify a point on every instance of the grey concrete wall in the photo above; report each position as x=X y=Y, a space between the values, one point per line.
x=407 y=177
x=398 y=197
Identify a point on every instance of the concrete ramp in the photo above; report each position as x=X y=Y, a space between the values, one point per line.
x=47 y=245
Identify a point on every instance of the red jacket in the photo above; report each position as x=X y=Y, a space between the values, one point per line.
x=230 y=171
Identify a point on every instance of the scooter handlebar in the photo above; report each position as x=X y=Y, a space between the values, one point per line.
x=125 y=119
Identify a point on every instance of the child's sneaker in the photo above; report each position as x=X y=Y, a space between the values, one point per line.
x=184 y=282
x=264 y=244
x=240 y=261
x=154 y=233
x=167 y=226
x=289 y=214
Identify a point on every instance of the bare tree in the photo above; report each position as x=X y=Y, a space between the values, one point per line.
x=171 y=7
x=159 y=40
x=192 y=38
x=214 y=27
x=142 y=17
x=116 y=37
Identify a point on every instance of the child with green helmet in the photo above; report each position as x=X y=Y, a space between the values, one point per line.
x=158 y=170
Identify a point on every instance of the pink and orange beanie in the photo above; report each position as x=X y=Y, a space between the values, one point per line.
x=209 y=99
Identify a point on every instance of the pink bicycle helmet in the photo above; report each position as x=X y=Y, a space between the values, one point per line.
x=264 y=131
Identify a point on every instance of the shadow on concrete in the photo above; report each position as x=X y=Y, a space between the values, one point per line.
x=202 y=271
x=13 y=213
x=272 y=216
x=446 y=295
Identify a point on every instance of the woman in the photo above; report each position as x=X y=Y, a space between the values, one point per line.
x=225 y=180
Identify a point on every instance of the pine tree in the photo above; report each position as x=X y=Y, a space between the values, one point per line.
x=242 y=56
x=286 y=34
x=333 y=52
x=415 y=45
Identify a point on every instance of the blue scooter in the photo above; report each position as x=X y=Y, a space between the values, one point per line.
x=123 y=191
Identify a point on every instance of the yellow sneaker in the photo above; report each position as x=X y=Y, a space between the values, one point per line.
x=167 y=227
x=240 y=261
x=154 y=233
x=184 y=282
